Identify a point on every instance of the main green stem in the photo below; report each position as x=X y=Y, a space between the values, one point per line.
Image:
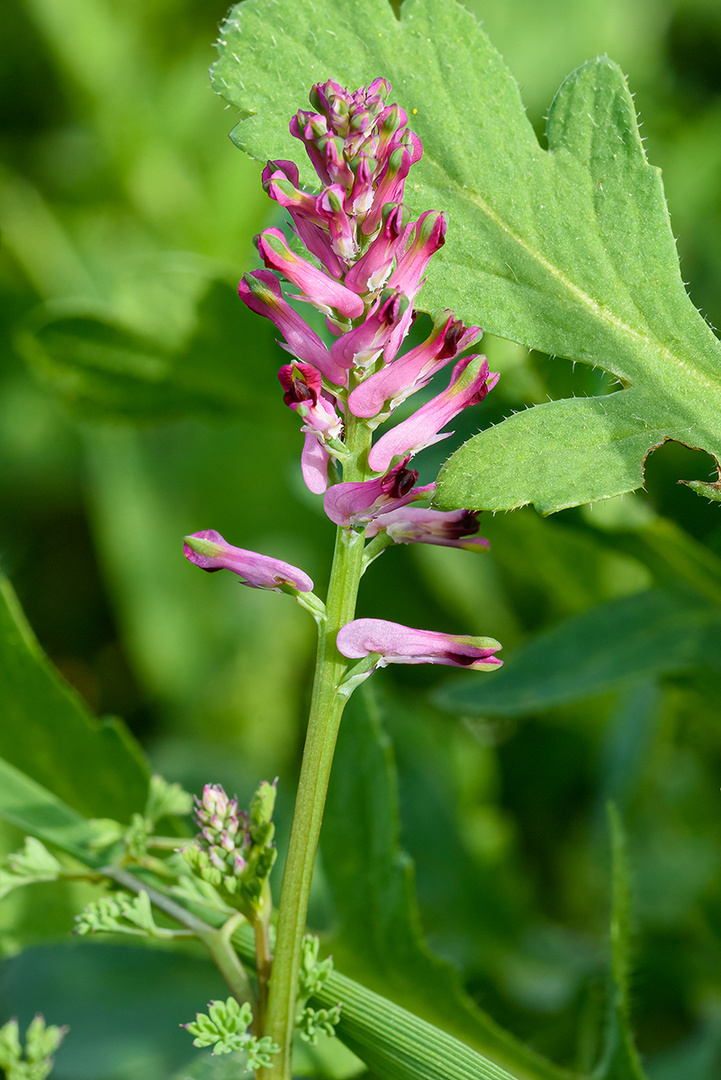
x=325 y=713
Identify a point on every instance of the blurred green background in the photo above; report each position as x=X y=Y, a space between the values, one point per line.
x=139 y=402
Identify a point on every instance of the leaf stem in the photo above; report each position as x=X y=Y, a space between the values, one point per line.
x=325 y=715
x=216 y=940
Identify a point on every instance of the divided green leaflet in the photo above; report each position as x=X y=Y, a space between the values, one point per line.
x=568 y=250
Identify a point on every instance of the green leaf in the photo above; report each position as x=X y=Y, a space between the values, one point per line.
x=655 y=632
x=102 y=368
x=49 y=735
x=620 y=1059
x=567 y=250
x=379 y=939
x=35 y=810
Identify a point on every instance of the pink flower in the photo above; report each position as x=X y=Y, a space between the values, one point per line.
x=430 y=235
x=262 y=293
x=387 y=388
x=382 y=331
x=321 y=423
x=397 y=644
x=373 y=268
x=417 y=525
x=208 y=550
x=470 y=382
x=320 y=290
x=355 y=503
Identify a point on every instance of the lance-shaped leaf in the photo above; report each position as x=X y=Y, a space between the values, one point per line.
x=568 y=250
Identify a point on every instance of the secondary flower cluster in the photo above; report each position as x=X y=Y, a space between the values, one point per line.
x=233 y=850
x=358 y=260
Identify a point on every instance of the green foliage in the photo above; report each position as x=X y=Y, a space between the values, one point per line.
x=653 y=633
x=32 y=808
x=41 y=1042
x=620 y=1059
x=310 y=1023
x=33 y=863
x=379 y=938
x=166 y=800
x=567 y=250
x=313 y=973
x=50 y=736
x=103 y=369
x=121 y=913
x=225 y=1028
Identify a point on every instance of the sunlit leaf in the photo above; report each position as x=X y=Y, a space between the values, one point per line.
x=567 y=250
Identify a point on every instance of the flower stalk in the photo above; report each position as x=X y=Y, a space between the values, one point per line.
x=326 y=710
x=364 y=270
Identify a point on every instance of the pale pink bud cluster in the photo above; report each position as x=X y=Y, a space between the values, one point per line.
x=219 y=856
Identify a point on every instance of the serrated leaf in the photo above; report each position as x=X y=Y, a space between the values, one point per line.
x=379 y=939
x=620 y=1060
x=567 y=250
x=49 y=735
x=104 y=369
x=654 y=632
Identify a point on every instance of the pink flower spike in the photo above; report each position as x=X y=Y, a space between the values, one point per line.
x=355 y=503
x=318 y=288
x=470 y=382
x=416 y=525
x=399 y=644
x=391 y=385
x=430 y=235
x=261 y=292
x=208 y=550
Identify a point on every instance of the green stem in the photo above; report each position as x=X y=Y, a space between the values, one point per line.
x=216 y=940
x=325 y=715
x=263 y=958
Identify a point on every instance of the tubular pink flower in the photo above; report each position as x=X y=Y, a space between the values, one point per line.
x=303 y=393
x=390 y=187
x=430 y=235
x=261 y=292
x=342 y=229
x=470 y=382
x=382 y=331
x=387 y=388
x=319 y=289
x=354 y=503
x=373 y=268
x=417 y=525
x=315 y=460
x=399 y=644
x=360 y=197
x=208 y=550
